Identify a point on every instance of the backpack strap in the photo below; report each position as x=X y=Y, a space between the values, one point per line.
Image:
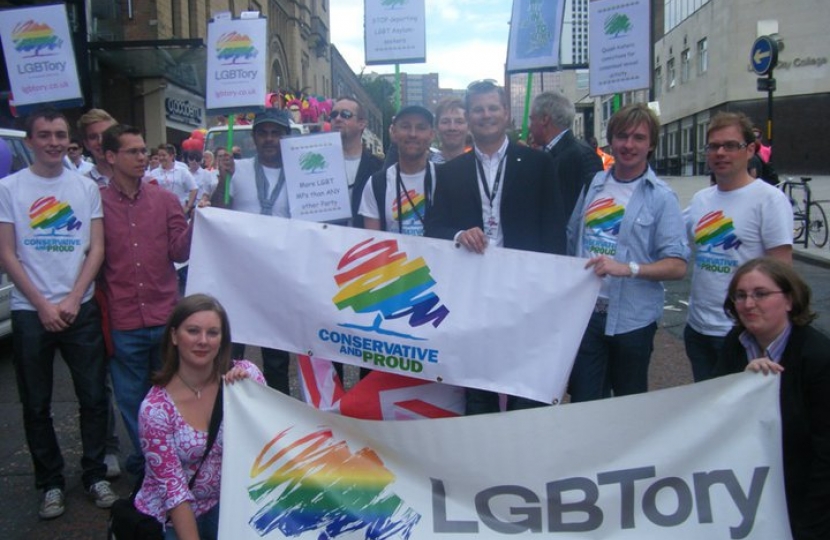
x=379 y=189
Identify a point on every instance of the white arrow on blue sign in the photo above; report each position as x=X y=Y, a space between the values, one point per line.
x=764 y=55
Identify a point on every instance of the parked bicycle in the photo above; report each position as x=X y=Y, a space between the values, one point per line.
x=809 y=218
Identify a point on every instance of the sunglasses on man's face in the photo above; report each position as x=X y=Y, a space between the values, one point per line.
x=345 y=115
x=74 y=148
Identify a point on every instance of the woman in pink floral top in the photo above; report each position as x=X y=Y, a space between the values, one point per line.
x=174 y=418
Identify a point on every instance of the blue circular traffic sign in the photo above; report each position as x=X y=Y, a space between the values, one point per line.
x=764 y=55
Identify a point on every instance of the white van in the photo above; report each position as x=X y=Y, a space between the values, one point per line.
x=217 y=137
x=21 y=158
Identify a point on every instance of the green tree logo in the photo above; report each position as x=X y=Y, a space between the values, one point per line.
x=392 y=4
x=313 y=162
x=617 y=24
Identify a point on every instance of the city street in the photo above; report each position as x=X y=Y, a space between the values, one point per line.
x=82 y=521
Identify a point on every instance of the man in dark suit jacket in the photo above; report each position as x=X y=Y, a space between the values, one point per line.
x=575 y=162
x=348 y=118
x=499 y=195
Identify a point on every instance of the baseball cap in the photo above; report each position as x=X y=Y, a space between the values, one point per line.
x=416 y=109
x=274 y=116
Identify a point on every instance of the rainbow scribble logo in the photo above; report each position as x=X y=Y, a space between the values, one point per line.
x=233 y=46
x=50 y=214
x=34 y=36
x=716 y=230
x=605 y=215
x=407 y=211
x=375 y=277
x=617 y=24
x=315 y=483
x=312 y=162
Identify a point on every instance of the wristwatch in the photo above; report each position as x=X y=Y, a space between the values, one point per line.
x=635 y=268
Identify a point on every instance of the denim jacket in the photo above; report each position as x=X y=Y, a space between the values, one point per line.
x=652 y=229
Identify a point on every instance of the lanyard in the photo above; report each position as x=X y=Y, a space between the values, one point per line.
x=483 y=179
x=400 y=188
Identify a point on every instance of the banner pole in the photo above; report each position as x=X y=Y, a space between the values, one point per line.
x=397 y=87
x=230 y=151
x=527 y=106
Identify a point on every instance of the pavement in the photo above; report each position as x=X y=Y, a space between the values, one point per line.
x=83 y=521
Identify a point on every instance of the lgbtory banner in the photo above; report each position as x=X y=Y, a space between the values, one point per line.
x=699 y=461
x=509 y=321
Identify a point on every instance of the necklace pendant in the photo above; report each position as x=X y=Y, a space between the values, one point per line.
x=198 y=394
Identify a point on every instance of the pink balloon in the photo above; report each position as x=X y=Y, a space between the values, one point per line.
x=198 y=134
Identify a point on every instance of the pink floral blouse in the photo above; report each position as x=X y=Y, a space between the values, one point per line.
x=173 y=449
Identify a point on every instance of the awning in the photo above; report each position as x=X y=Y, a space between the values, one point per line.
x=181 y=61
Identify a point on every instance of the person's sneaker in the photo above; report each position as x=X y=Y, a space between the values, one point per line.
x=113 y=468
x=102 y=494
x=52 y=505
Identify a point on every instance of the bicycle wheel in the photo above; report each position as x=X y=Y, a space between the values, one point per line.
x=817 y=230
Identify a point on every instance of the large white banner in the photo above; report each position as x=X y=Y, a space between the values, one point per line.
x=40 y=59
x=535 y=33
x=700 y=461
x=237 y=55
x=618 y=45
x=395 y=31
x=509 y=321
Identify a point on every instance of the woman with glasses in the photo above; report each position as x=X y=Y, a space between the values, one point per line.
x=770 y=305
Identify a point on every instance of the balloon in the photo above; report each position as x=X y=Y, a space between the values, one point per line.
x=192 y=144
x=5 y=159
x=198 y=134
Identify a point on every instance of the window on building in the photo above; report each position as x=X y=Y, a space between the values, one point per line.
x=658 y=81
x=671 y=73
x=702 y=56
x=685 y=66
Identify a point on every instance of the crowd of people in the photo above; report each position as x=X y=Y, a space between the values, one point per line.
x=166 y=357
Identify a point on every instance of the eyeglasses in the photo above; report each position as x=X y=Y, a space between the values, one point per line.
x=483 y=84
x=73 y=148
x=135 y=152
x=344 y=114
x=728 y=146
x=757 y=296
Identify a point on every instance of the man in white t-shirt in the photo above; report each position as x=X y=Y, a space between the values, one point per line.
x=738 y=219
x=51 y=246
x=396 y=200
x=175 y=178
x=257 y=186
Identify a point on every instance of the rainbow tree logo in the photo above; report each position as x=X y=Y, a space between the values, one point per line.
x=407 y=211
x=34 y=37
x=313 y=162
x=49 y=214
x=604 y=215
x=233 y=46
x=617 y=24
x=376 y=278
x=716 y=230
x=315 y=483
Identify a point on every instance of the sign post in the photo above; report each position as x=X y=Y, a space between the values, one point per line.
x=764 y=58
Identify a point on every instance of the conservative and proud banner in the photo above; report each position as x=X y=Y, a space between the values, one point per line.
x=699 y=461
x=508 y=321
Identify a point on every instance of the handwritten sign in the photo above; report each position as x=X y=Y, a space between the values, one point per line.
x=315 y=175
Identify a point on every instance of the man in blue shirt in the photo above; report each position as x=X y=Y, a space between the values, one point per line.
x=629 y=224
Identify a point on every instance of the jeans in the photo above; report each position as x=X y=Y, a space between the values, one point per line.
x=478 y=401
x=112 y=444
x=617 y=363
x=703 y=352
x=82 y=348
x=136 y=355
x=274 y=366
x=207 y=524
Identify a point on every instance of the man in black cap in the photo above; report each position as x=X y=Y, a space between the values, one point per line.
x=257 y=186
x=397 y=198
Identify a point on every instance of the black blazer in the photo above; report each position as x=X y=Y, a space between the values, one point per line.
x=531 y=214
x=805 y=424
x=575 y=164
x=369 y=164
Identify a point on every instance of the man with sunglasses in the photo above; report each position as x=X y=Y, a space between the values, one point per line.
x=75 y=157
x=499 y=195
x=145 y=232
x=348 y=117
x=737 y=219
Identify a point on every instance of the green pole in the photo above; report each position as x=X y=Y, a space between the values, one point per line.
x=525 y=125
x=230 y=151
x=397 y=87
